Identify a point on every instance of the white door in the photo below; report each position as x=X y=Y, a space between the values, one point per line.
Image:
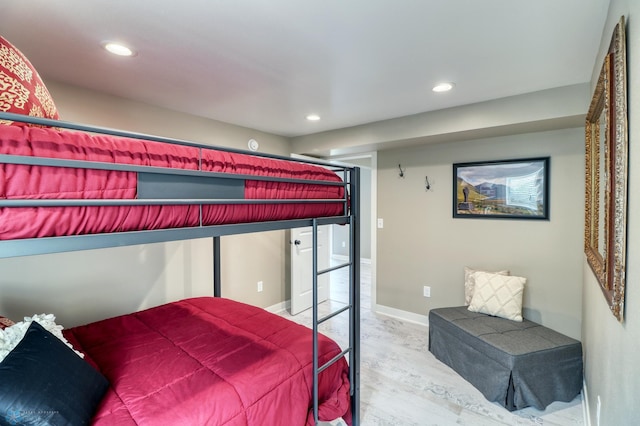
x=302 y=267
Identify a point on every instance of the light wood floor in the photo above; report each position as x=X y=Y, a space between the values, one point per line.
x=402 y=384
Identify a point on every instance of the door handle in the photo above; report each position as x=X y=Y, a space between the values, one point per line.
x=297 y=242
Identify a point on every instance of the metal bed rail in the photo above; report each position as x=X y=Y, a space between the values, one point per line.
x=46 y=122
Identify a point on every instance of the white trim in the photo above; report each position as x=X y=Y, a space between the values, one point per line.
x=374 y=228
x=339 y=257
x=585 y=404
x=342 y=258
x=278 y=308
x=402 y=315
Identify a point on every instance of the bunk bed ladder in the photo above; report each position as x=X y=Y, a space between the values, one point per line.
x=353 y=306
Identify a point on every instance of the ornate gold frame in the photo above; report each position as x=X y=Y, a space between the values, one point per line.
x=606 y=149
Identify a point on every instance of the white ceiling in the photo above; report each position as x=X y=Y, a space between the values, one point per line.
x=266 y=64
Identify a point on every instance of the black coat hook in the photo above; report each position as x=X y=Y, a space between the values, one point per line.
x=427 y=185
x=401 y=174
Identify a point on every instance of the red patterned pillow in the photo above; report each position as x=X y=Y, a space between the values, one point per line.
x=5 y=322
x=21 y=88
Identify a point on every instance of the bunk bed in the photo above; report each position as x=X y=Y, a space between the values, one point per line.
x=67 y=187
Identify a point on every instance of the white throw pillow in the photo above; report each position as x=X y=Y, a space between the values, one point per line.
x=470 y=282
x=498 y=295
x=11 y=336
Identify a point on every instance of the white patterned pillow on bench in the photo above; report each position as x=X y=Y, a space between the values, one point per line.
x=470 y=281
x=498 y=295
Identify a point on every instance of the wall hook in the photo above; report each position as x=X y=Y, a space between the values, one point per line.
x=401 y=173
x=427 y=185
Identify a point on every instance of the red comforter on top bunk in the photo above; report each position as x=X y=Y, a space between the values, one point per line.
x=210 y=361
x=36 y=182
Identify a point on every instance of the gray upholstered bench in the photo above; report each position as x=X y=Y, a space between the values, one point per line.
x=515 y=364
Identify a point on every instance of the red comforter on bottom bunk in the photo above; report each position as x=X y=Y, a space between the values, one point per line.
x=210 y=361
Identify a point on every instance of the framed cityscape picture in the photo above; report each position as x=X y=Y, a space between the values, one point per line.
x=507 y=189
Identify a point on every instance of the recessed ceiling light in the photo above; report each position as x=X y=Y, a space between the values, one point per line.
x=313 y=117
x=442 y=87
x=118 y=49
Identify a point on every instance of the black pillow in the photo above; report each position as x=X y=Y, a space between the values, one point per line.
x=44 y=382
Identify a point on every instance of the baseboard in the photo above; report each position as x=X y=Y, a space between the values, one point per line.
x=380 y=309
x=279 y=307
x=402 y=315
x=585 y=404
x=341 y=258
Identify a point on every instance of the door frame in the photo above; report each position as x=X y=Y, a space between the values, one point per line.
x=373 y=159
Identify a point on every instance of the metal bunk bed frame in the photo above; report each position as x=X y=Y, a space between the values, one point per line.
x=155 y=193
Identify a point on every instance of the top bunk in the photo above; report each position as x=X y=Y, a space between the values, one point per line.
x=67 y=187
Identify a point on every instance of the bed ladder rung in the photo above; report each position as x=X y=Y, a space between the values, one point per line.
x=333 y=268
x=333 y=360
x=333 y=314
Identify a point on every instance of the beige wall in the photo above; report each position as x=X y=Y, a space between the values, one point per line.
x=84 y=286
x=421 y=244
x=612 y=349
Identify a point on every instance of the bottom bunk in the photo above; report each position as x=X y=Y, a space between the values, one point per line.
x=208 y=361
